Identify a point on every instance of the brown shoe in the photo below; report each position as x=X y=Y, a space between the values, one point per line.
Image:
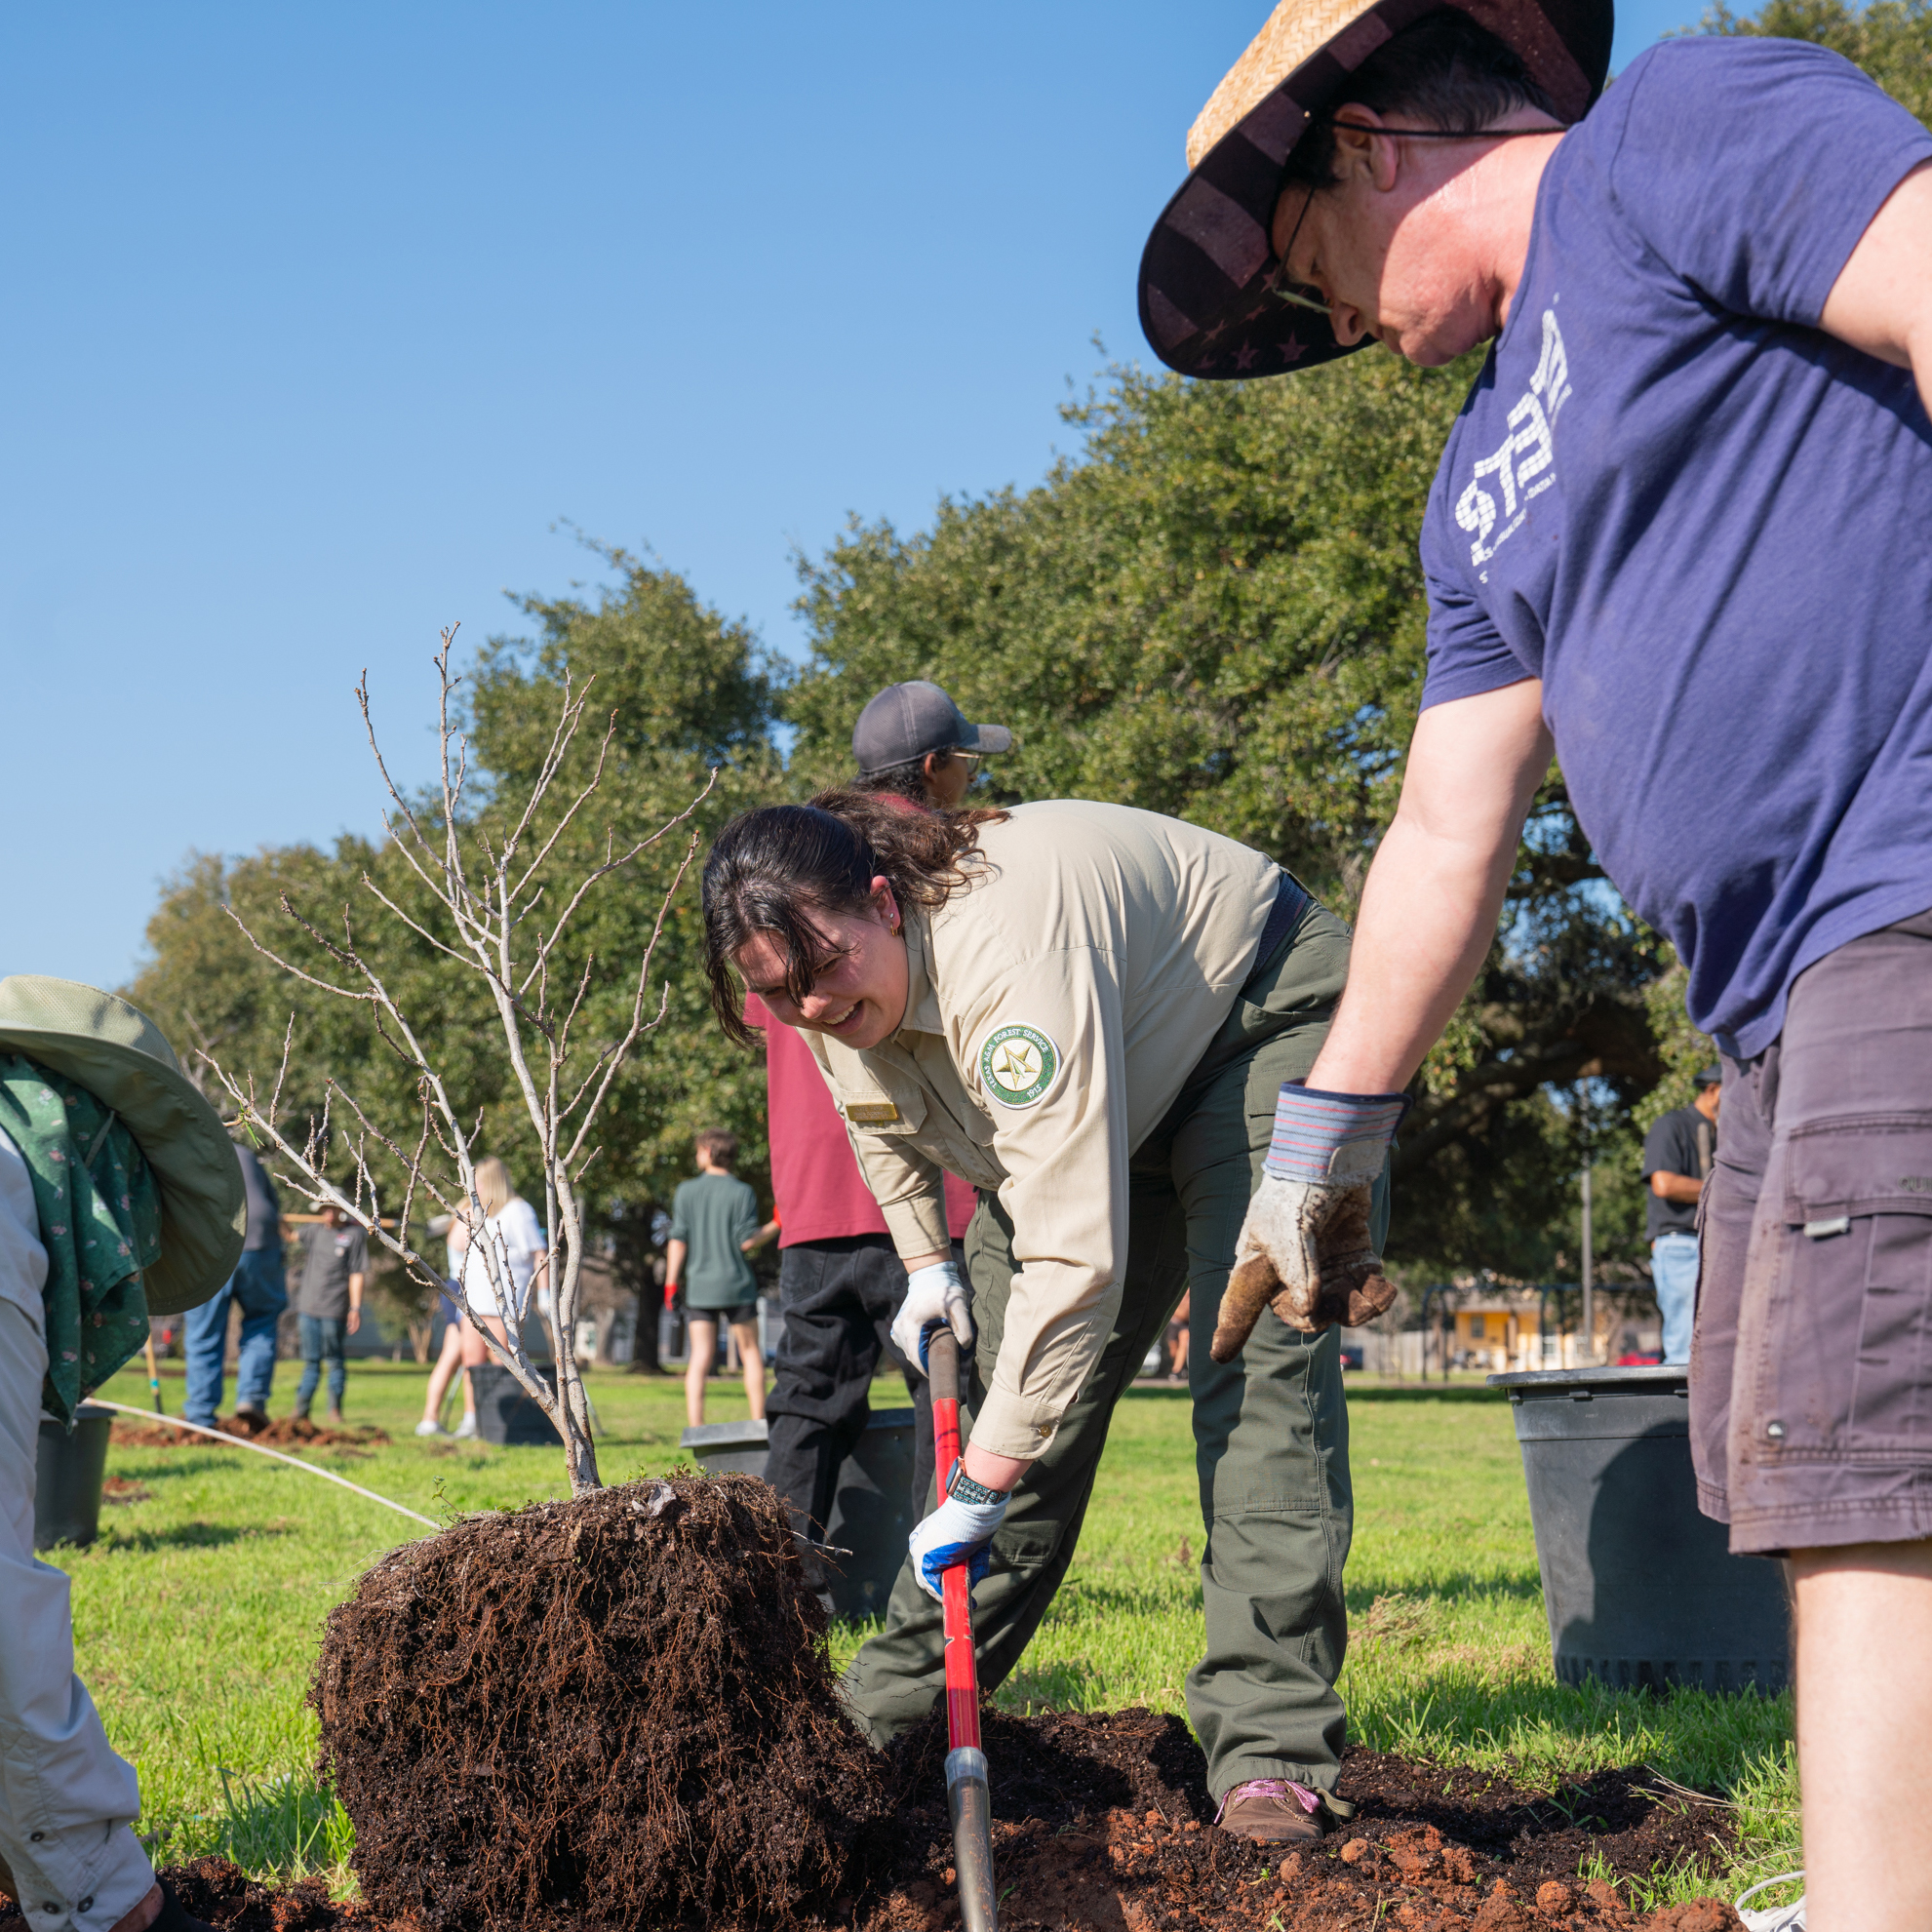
x=334 y=1420
x=1273 y=1811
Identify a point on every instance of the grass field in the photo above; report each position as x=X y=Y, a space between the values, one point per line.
x=198 y=1610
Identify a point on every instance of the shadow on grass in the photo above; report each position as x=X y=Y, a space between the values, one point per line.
x=1456 y=1586
x=196 y=1535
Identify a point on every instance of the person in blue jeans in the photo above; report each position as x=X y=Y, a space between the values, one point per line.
x=1677 y=1153
x=258 y=1287
x=328 y=1303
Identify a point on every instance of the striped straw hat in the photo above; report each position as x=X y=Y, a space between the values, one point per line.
x=1205 y=304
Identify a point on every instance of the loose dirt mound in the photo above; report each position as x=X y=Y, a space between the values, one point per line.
x=1105 y=1821
x=288 y=1432
x=616 y=1711
x=1101 y=1826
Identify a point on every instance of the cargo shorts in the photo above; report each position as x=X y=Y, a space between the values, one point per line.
x=1811 y=1365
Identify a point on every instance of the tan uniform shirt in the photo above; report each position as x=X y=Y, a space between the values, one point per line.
x=1055 y=1011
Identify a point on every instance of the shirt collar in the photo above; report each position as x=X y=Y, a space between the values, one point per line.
x=921 y=1002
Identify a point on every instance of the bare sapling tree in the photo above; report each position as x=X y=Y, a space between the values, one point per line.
x=502 y=916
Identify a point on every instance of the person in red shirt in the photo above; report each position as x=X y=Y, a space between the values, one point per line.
x=840 y=1285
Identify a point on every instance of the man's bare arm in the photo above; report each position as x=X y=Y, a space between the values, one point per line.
x=1680 y=1188
x=1882 y=300
x=1429 y=909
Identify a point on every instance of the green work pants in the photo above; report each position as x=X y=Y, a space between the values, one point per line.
x=1271 y=1427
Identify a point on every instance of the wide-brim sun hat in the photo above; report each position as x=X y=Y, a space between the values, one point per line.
x=1207 y=306
x=124 y=1060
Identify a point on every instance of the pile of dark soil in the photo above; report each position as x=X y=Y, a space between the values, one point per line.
x=613 y=1711
x=286 y=1431
x=1102 y=1825
x=1105 y=1822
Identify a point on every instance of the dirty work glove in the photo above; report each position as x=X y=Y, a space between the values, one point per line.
x=957 y=1531
x=1304 y=1248
x=936 y=1296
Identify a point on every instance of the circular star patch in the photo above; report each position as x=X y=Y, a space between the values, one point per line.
x=1018 y=1064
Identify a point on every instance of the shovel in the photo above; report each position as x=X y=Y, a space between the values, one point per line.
x=154 y=1375
x=967 y=1798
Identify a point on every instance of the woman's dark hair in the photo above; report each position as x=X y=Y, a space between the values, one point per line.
x=1446 y=70
x=772 y=869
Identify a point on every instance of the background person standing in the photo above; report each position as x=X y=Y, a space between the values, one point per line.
x=1677 y=1153
x=914 y=741
x=328 y=1306
x=714 y=1226
x=258 y=1287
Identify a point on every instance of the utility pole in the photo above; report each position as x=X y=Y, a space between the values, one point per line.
x=1589 y=1281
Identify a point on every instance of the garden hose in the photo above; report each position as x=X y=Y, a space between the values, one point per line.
x=294 y=1462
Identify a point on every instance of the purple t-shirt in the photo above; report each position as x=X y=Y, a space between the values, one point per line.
x=1703 y=524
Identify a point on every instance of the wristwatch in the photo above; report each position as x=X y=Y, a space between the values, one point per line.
x=965 y=1490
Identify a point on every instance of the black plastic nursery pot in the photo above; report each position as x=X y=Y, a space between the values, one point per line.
x=1640 y=1586
x=871 y=1502
x=505 y=1415
x=68 y=1473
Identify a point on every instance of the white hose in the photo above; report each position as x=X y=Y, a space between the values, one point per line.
x=1775 y=1919
x=222 y=1437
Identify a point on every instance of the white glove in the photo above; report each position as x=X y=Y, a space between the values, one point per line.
x=935 y=1297
x=955 y=1532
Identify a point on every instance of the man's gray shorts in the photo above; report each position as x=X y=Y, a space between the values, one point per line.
x=1812 y=1370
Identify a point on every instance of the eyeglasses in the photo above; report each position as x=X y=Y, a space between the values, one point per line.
x=969 y=758
x=1299 y=293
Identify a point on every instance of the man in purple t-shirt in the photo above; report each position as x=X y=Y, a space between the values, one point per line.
x=1687 y=504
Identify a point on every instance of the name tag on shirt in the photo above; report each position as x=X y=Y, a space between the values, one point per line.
x=871 y=1112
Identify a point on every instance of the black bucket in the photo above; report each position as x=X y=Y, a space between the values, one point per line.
x=1640 y=1586
x=69 y=1472
x=505 y=1415
x=872 y=1511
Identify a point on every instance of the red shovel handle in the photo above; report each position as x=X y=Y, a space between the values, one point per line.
x=967 y=1794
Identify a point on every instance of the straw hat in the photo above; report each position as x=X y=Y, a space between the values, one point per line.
x=1205 y=304
x=119 y=1055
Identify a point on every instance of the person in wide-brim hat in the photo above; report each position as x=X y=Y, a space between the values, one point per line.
x=114 y=1050
x=1212 y=299
x=120 y=1195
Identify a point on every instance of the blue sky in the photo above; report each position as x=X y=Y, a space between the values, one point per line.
x=321 y=321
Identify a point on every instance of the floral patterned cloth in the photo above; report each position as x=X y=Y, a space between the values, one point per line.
x=100 y=1221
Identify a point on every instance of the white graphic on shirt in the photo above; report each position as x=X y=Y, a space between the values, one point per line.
x=1520 y=462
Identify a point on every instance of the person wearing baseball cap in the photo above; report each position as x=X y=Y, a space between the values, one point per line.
x=120 y=1198
x=1677 y=540
x=913 y=740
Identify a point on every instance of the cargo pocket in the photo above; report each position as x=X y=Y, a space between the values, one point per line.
x=1857 y=1215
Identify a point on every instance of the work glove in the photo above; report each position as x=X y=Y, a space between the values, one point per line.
x=1304 y=1248
x=935 y=1297
x=957 y=1531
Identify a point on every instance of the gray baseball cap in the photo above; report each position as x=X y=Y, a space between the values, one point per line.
x=905 y=722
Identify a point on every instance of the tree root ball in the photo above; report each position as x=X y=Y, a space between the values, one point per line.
x=618 y=1708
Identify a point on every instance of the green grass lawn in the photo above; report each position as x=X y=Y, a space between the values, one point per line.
x=198 y=1611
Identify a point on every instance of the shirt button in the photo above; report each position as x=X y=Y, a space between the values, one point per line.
x=34 y=1838
x=87 y=1904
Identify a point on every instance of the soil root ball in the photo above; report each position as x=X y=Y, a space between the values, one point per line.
x=617 y=1710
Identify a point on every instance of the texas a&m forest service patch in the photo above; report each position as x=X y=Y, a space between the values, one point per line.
x=1018 y=1064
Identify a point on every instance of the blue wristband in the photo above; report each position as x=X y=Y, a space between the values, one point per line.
x=1340 y=1139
